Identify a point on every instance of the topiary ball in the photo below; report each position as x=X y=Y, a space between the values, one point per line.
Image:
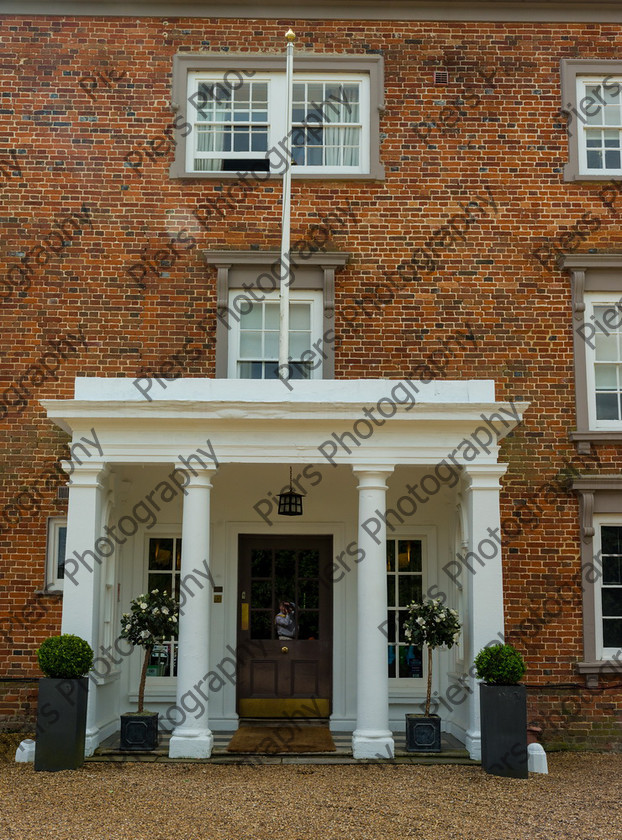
x=500 y=665
x=65 y=657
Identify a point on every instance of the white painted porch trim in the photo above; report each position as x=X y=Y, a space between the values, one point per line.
x=262 y=422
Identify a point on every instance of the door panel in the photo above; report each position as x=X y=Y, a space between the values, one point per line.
x=285 y=675
x=263 y=677
x=305 y=679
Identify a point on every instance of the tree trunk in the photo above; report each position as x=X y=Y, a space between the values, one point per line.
x=429 y=694
x=143 y=677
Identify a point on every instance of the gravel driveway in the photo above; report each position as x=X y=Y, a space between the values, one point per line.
x=580 y=798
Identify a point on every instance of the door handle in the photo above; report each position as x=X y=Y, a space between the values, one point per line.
x=284 y=649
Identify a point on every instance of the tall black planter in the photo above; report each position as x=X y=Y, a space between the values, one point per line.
x=503 y=710
x=61 y=723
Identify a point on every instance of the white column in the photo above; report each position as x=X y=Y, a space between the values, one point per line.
x=372 y=737
x=482 y=574
x=85 y=552
x=193 y=738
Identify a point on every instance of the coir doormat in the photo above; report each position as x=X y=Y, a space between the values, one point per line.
x=285 y=738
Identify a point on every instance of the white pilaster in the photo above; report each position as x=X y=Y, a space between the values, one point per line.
x=372 y=737
x=482 y=574
x=193 y=738
x=85 y=552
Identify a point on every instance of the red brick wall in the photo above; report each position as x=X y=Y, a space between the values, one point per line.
x=18 y=705
x=507 y=137
x=576 y=718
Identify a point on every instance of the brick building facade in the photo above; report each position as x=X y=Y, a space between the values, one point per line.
x=455 y=236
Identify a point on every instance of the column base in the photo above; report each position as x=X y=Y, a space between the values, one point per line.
x=191 y=744
x=375 y=744
x=473 y=743
x=91 y=741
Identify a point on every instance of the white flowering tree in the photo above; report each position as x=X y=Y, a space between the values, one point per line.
x=153 y=618
x=430 y=623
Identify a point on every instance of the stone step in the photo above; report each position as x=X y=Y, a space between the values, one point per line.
x=452 y=752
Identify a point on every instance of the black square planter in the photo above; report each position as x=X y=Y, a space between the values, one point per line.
x=139 y=732
x=61 y=723
x=503 y=710
x=423 y=734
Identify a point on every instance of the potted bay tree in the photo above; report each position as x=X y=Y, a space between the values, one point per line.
x=503 y=711
x=62 y=703
x=152 y=619
x=429 y=624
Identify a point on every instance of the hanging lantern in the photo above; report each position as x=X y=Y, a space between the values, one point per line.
x=290 y=503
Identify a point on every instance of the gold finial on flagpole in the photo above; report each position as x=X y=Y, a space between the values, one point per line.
x=290 y=35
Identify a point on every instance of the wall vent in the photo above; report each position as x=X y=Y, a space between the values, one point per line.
x=63 y=492
x=441 y=77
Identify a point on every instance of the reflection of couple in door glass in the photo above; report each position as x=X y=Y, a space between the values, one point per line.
x=285 y=621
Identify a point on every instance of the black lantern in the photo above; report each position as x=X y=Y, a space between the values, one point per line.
x=290 y=503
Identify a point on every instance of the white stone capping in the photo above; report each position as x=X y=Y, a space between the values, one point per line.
x=203 y=389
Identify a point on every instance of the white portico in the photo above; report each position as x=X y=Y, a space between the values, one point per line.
x=392 y=460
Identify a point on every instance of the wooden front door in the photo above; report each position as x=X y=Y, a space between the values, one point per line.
x=286 y=666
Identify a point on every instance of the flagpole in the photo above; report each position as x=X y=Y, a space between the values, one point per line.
x=283 y=370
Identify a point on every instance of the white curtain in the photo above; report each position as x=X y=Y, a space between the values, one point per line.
x=210 y=134
x=342 y=145
x=210 y=140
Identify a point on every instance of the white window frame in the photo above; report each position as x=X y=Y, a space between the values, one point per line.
x=575 y=73
x=277 y=121
x=602 y=653
x=315 y=298
x=165 y=680
x=592 y=300
x=54 y=525
x=234 y=68
x=407 y=689
x=397 y=680
x=583 y=127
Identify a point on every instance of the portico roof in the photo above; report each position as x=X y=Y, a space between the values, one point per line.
x=255 y=421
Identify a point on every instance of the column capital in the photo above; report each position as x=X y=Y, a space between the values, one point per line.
x=372 y=477
x=483 y=476
x=88 y=474
x=198 y=477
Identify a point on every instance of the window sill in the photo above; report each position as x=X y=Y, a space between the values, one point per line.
x=593 y=670
x=48 y=591
x=158 y=693
x=583 y=439
x=577 y=176
x=249 y=177
x=406 y=687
